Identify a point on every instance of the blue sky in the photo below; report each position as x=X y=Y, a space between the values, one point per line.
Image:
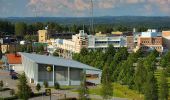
x=81 y=8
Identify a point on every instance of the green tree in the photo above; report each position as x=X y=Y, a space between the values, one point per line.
x=163 y=89
x=1 y=54
x=107 y=87
x=151 y=88
x=109 y=54
x=165 y=60
x=38 y=87
x=140 y=76
x=83 y=90
x=1 y=84
x=20 y=29
x=45 y=84
x=84 y=51
x=24 y=90
x=57 y=85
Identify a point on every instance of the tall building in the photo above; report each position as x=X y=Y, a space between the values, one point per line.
x=166 y=39
x=150 y=40
x=42 y=36
x=67 y=47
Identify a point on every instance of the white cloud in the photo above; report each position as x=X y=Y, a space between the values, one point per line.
x=77 y=7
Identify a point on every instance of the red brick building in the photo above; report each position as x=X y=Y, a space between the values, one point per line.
x=150 y=41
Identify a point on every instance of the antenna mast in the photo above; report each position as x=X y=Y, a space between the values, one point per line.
x=92 y=20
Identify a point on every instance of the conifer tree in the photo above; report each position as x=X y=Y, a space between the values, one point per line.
x=151 y=88
x=24 y=91
x=107 y=87
x=163 y=91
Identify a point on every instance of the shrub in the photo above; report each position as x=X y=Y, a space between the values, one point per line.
x=57 y=85
x=45 y=84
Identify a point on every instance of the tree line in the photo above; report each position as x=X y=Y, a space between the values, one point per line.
x=135 y=70
x=22 y=28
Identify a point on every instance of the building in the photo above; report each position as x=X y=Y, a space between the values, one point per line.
x=130 y=44
x=13 y=61
x=8 y=48
x=166 y=39
x=67 y=47
x=102 y=42
x=40 y=68
x=42 y=36
x=64 y=35
x=150 y=40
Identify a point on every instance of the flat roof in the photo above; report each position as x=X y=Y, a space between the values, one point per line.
x=58 y=61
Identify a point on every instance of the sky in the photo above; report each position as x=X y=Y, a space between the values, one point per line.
x=81 y=8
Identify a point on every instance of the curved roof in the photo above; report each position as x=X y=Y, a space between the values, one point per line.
x=58 y=61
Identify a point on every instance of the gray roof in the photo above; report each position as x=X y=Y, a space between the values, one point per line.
x=58 y=61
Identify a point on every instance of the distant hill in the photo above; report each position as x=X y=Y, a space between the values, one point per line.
x=124 y=20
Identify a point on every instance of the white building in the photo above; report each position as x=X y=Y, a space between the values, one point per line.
x=40 y=68
x=102 y=42
x=82 y=40
x=13 y=62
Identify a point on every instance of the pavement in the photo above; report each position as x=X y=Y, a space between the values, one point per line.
x=56 y=94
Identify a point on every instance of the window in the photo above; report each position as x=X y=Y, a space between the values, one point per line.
x=92 y=76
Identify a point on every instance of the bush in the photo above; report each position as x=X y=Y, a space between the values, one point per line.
x=57 y=85
x=1 y=84
x=38 y=87
x=45 y=84
x=10 y=98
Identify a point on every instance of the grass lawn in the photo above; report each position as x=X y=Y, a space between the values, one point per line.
x=120 y=91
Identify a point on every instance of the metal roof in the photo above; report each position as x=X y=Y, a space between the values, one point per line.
x=58 y=61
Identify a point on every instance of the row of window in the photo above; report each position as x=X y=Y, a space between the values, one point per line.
x=156 y=42
x=145 y=47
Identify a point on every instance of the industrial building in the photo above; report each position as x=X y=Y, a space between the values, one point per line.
x=40 y=68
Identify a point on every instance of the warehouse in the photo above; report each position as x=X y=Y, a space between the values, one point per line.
x=40 y=68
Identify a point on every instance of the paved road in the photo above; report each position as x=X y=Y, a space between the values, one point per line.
x=8 y=82
x=56 y=94
x=60 y=95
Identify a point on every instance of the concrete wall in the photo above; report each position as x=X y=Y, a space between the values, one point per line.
x=30 y=69
x=17 y=67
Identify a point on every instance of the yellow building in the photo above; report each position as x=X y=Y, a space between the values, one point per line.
x=42 y=36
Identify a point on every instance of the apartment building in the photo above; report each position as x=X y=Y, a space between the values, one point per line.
x=67 y=47
x=150 y=40
x=42 y=36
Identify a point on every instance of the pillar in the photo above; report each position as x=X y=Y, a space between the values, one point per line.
x=68 y=76
x=53 y=75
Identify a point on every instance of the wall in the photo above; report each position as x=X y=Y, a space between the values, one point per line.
x=166 y=39
x=42 y=36
x=30 y=69
x=17 y=67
